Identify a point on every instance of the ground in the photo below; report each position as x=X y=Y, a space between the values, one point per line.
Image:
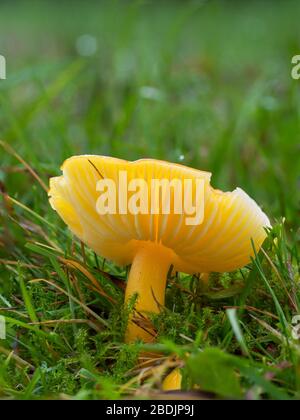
x=204 y=83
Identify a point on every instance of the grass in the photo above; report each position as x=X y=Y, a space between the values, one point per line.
x=203 y=83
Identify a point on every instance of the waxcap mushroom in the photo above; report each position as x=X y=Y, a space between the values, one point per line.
x=232 y=223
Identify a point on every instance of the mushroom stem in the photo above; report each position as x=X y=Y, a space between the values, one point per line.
x=147 y=279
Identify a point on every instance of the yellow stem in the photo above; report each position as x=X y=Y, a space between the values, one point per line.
x=172 y=381
x=147 y=279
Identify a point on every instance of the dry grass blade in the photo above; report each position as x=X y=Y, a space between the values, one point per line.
x=76 y=265
x=253 y=309
x=280 y=279
x=19 y=263
x=11 y=151
x=56 y=322
x=19 y=361
x=85 y=307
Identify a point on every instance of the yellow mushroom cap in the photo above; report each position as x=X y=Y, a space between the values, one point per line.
x=221 y=242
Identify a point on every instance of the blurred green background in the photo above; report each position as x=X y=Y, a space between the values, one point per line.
x=204 y=83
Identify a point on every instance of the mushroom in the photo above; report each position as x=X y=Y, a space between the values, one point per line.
x=93 y=200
